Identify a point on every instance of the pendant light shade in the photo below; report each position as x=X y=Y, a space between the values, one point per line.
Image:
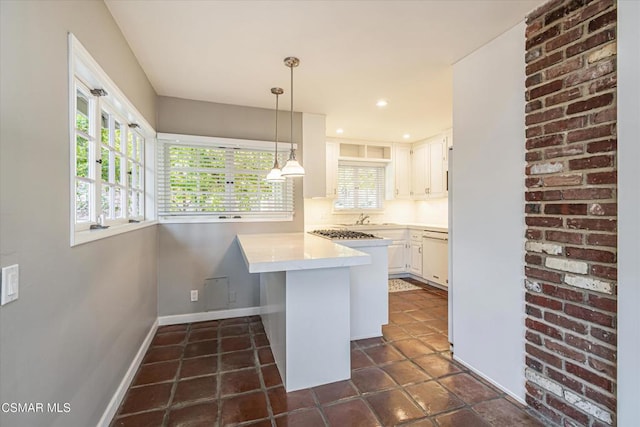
x=292 y=168
x=275 y=175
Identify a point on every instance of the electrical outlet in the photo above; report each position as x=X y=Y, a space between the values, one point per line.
x=10 y=284
x=194 y=295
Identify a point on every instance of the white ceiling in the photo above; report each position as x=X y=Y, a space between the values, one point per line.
x=352 y=53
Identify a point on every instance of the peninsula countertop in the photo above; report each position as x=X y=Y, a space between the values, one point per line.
x=296 y=251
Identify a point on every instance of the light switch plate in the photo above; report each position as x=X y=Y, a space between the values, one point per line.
x=10 y=284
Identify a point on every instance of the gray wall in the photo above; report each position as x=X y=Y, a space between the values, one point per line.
x=191 y=253
x=84 y=311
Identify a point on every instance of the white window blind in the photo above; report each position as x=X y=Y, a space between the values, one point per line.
x=360 y=186
x=218 y=182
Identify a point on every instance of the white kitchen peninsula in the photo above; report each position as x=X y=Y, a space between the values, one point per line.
x=305 y=301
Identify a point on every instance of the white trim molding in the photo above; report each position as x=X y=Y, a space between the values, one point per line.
x=177 y=319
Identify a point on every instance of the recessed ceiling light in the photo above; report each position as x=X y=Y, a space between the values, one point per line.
x=406 y=136
x=340 y=130
x=382 y=103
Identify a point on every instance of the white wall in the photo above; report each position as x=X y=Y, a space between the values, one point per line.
x=628 y=213
x=83 y=312
x=488 y=220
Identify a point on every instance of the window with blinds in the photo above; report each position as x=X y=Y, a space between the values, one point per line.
x=214 y=181
x=360 y=187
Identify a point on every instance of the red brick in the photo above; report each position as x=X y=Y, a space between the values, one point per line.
x=563 y=237
x=602 y=146
x=564 y=380
x=563 y=68
x=533 y=234
x=566 y=209
x=604 y=335
x=587 y=193
x=593 y=162
x=544 y=116
x=604 y=271
x=533 y=106
x=586 y=13
x=542 y=10
x=552 y=195
x=566 y=323
x=603 y=367
x=589 y=376
x=562 y=180
x=533 y=196
x=603 y=209
x=610 y=115
x=594 y=72
x=564 y=39
x=541 y=221
x=546 y=89
x=591 y=254
x=543 y=356
x=562 y=293
x=603 y=20
x=602 y=178
x=567 y=95
x=603 y=303
x=543 y=63
x=603 y=399
x=532 y=208
x=592 y=103
x=532 y=363
x=561 y=12
x=544 y=410
x=542 y=37
x=533 y=338
x=610 y=240
x=565 y=125
x=533 y=131
x=533 y=182
x=533 y=27
x=533 y=80
x=545 y=141
x=592 y=224
x=533 y=259
x=533 y=156
x=564 y=351
x=591 y=42
x=543 y=274
x=564 y=151
x=588 y=315
x=590 y=347
x=568 y=410
x=533 y=311
x=591 y=133
x=547 y=330
x=604 y=84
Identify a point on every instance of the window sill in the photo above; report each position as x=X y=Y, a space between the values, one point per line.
x=209 y=219
x=86 y=236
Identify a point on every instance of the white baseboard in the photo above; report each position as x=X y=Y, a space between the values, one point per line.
x=177 y=319
x=486 y=378
x=116 y=400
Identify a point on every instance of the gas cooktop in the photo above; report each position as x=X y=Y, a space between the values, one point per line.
x=343 y=234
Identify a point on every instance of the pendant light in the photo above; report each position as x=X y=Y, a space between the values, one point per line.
x=292 y=168
x=276 y=174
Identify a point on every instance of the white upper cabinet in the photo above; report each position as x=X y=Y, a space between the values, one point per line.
x=420 y=168
x=400 y=182
x=429 y=164
x=333 y=151
x=437 y=177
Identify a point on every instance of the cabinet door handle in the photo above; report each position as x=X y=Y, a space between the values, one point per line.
x=335 y=191
x=420 y=249
x=397 y=191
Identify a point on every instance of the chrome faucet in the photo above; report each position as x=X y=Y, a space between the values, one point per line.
x=362 y=219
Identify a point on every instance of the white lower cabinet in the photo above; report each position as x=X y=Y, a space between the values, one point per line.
x=415 y=265
x=397 y=250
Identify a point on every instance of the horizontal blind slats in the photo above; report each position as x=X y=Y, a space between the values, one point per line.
x=360 y=187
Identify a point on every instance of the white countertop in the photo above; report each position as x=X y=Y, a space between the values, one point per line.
x=296 y=251
x=388 y=226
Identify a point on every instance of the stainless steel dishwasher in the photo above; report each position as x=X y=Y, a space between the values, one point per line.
x=435 y=256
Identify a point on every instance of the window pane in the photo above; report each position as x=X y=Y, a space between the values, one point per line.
x=139 y=184
x=82 y=201
x=140 y=203
x=130 y=145
x=82 y=156
x=131 y=204
x=118 y=171
x=82 y=112
x=117 y=135
x=117 y=202
x=104 y=128
x=131 y=173
x=106 y=201
x=105 y=164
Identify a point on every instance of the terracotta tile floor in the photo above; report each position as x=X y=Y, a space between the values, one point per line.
x=222 y=373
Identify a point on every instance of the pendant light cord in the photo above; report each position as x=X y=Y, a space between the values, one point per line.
x=292 y=155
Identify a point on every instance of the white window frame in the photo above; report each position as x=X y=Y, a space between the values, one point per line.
x=193 y=140
x=381 y=193
x=86 y=74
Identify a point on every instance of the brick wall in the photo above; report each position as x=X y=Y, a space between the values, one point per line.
x=571 y=212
